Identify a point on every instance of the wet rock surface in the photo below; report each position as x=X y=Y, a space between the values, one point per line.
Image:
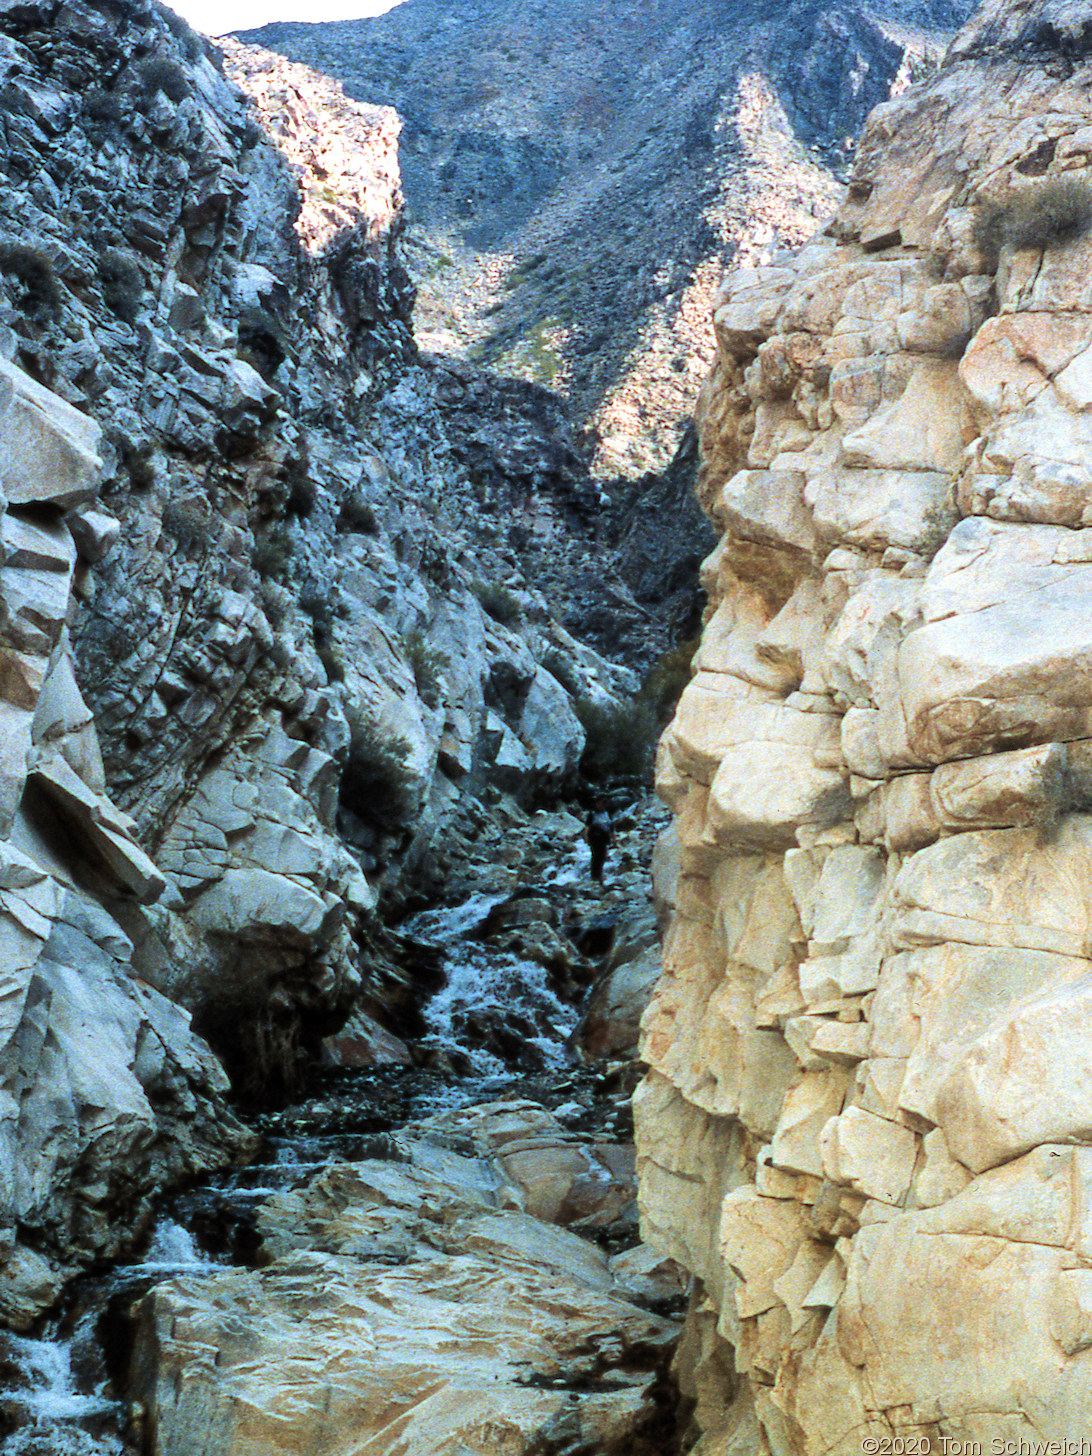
x=473 y=1274
x=437 y=1250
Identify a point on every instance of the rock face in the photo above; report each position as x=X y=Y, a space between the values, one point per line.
x=107 y=1093
x=282 y=600
x=579 y=172
x=865 y=1128
x=432 y=1304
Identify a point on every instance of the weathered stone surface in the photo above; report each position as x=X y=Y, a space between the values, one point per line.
x=48 y=450
x=106 y=1094
x=932 y=492
x=410 y=1302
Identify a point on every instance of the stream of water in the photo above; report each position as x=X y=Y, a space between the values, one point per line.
x=57 y=1397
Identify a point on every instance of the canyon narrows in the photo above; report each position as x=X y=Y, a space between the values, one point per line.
x=317 y=1040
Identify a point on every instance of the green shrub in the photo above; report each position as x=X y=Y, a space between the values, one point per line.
x=358 y=515
x=319 y=605
x=103 y=106
x=157 y=73
x=499 y=602
x=377 y=784
x=30 y=278
x=271 y=555
x=668 y=676
x=302 y=490
x=1050 y=212
x=560 y=665
x=122 y=283
x=428 y=664
x=179 y=28
x=619 y=738
x=332 y=659
x=273 y=604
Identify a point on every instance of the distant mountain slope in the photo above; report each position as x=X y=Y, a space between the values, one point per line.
x=578 y=173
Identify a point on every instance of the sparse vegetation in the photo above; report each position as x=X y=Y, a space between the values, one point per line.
x=501 y=604
x=186 y=522
x=618 y=738
x=30 y=278
x=358 y=515
x=1043 y=215
x=545 y=362
x=428 y=664
x=122 y=283
x=158 y=73
x=272 y=554
x=377 y=784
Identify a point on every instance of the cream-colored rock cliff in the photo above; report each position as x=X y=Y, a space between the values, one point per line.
x=866 y=1127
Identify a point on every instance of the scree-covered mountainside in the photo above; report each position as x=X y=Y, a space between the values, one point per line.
x=579 y=173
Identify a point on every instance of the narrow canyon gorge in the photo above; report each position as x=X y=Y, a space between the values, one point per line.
x=717 y=384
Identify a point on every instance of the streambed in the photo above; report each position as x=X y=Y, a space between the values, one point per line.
x=500 y=1031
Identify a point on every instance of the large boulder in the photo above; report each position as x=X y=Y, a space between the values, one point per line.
x=412 y=1302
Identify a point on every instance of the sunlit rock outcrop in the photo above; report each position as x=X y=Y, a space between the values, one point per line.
x=866 y=1121
x=436 y=1303
x=105 y=1092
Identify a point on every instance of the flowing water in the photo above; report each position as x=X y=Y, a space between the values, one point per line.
x=495 y=1015
x=56 y=1397
x=491 y=995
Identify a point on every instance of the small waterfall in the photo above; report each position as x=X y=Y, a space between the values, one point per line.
x=55 y=1397
x=495 y=1009
x=41 y=1402
x=448 y=924
x=505 y=1001
x=172 y=1250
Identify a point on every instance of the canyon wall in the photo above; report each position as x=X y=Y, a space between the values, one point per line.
x=866 y=1124
x=283 y=606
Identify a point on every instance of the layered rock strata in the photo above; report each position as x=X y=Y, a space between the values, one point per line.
x=292 y=567
x=866 y=1126
x=105 y=1092
x=314 y=641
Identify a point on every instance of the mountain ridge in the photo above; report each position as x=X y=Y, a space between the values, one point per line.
x=579 y=176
